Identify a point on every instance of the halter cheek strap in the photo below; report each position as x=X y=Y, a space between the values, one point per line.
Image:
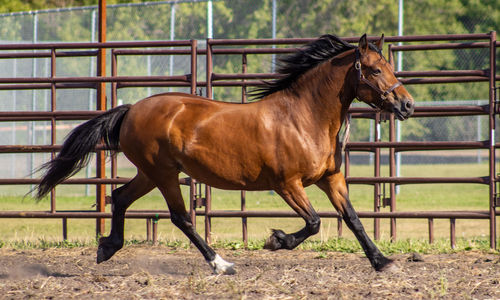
x=362 y=78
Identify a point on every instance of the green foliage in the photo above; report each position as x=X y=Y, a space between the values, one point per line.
x=45 y=244
x=440 y=246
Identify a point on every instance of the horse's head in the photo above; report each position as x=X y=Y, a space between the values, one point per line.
x=376 y=84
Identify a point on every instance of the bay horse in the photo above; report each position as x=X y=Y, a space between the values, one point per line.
x=286 y=141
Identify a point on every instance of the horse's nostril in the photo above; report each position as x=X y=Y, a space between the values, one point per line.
x=408 y=104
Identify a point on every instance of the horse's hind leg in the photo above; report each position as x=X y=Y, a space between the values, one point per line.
x=335 y=188
x=296 y=197
x=179 y=216
x=122 y=198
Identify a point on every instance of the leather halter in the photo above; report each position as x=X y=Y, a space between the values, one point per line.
x=362 y=78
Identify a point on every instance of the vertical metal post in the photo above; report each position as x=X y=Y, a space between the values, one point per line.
x=155 y=231
x=46 y=105
x=148 y=229
x=453 y=240
x=392 y=173
x=392 y=167
x=431 y=230
x=194 y=66
x=172 y=37
x=32 y=128
x=52 y=120
x=346 y=153
x=273 y=35
x=244 y=220
x=14 y=126
x=101 y=106
x=479 y=135
x=210 y=33
x=399 y=69
x=376 y=188
x=208 y=191
x=208 y=208
x=194 y=82
x=65 y=228
x=88 y=169
x=346 y=174
x=492 y=125
x=209 y=69
x=192 y=201
x=114 y=103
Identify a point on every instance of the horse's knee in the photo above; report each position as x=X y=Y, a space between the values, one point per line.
x=180 y=220
x=117 y=201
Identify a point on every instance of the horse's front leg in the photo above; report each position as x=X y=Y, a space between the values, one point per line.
x=294 y=194
x=335 y=188
x=122 y=198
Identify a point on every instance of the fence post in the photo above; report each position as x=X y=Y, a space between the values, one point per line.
x=244 y=224
x=453 y=240
x=493 y=107
x=148 y=229
x=431 y=230
x=65 y=228
x=392 y=171
x=101 y=106
x=52 y=120
x=376 y=221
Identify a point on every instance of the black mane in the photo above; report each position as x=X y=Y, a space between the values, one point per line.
x=296 y=64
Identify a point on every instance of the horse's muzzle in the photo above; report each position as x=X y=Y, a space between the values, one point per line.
x=404 y=109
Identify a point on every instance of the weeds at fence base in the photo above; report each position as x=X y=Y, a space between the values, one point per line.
x=440 y=246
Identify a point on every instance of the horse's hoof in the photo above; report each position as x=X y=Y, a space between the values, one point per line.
x=276 y=240
x=388 y=266
x=101 y=256
x=105 y=251
x=222 y=267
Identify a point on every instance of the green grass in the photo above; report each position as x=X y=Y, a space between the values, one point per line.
x=411 y=198
x=331 y=245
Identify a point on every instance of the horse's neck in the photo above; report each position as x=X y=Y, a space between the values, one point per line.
x=327 y=92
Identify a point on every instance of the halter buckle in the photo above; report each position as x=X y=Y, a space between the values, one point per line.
x=357 y=65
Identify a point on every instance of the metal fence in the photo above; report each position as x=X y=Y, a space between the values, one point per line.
x=192 y=19
x=52 y=85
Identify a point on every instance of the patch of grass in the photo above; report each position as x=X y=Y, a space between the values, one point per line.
x=387 y=247
x=45 y=244
x=440 y=246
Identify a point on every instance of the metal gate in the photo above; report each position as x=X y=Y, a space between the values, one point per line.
x=201 y=195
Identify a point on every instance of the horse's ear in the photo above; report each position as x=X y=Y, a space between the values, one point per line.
x=380 y=42
x=363 y=44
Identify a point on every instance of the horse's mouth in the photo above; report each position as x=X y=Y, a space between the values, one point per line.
x=400 y=116
x=404 y=109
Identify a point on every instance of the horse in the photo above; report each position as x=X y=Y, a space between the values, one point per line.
x=286 y=141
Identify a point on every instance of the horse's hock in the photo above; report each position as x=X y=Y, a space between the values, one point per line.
x=200 y=196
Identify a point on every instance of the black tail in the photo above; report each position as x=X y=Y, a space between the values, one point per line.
x=79 y=144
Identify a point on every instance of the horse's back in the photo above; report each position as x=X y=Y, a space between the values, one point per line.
x=231 y=146
x=194 y=134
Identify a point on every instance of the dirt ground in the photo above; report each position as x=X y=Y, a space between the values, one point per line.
x=153 y=272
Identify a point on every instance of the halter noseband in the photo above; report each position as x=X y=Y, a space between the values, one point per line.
x=362 y=78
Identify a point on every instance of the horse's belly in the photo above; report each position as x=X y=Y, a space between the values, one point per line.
x=227 y=171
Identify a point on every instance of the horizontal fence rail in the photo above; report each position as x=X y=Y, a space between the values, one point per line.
x=219 y=47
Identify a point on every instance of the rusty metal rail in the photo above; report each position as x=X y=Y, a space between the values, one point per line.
x=227 y=47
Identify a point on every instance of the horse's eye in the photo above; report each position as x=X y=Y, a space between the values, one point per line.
x=377 y=72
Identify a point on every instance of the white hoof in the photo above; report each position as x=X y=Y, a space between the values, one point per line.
x=220 y=266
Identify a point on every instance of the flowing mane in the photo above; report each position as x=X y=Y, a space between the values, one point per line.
x=306 y=58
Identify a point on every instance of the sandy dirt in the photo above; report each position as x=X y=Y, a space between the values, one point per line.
x=153 y=272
